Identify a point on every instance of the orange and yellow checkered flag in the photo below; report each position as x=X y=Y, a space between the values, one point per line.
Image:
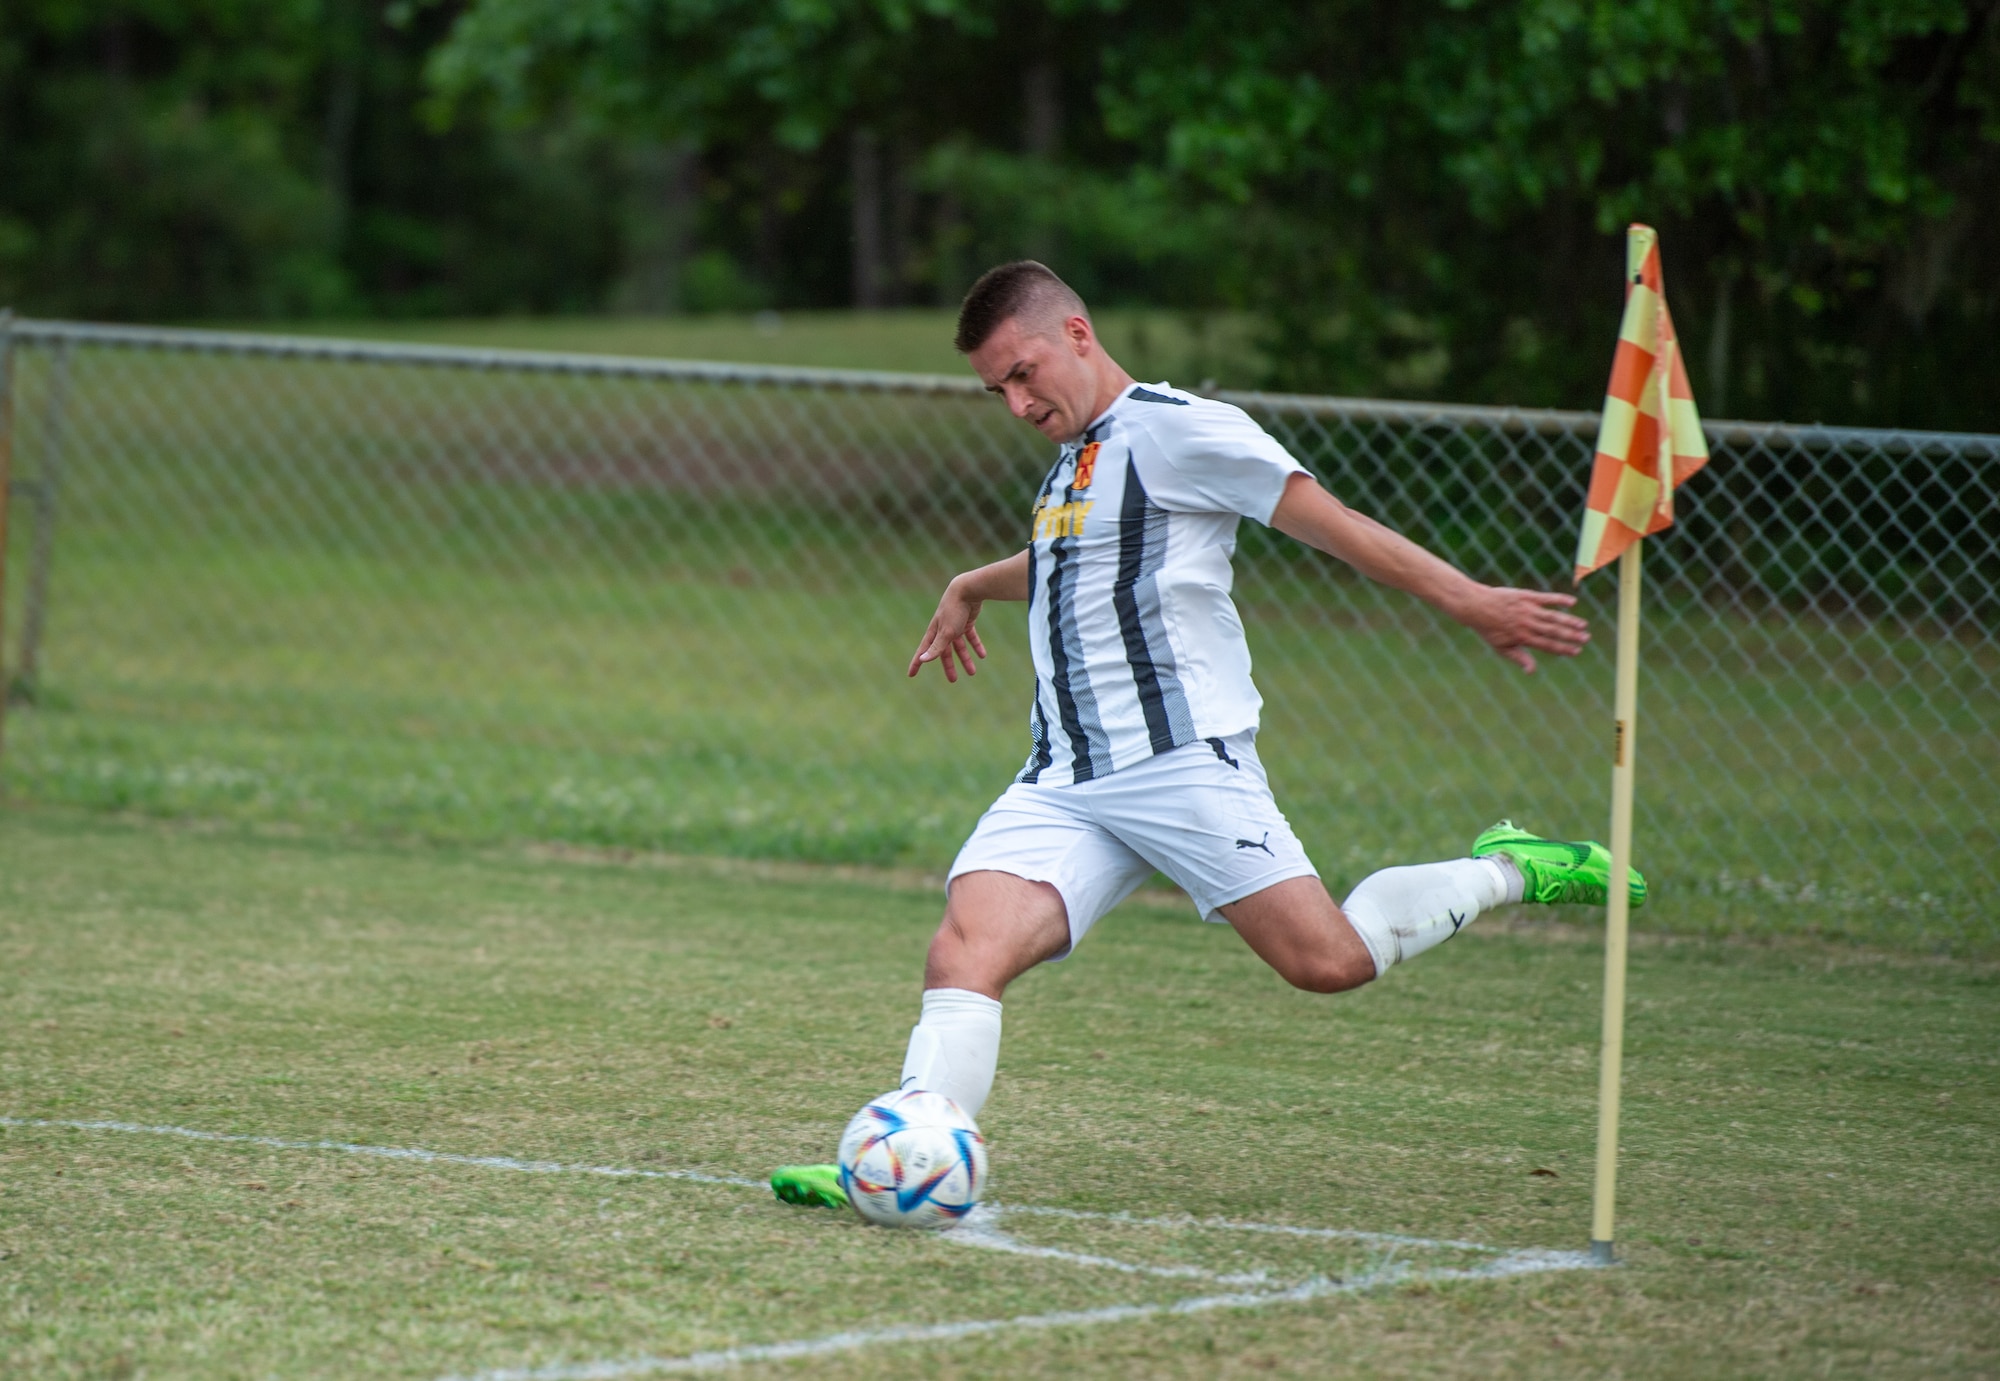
x=1650 y=439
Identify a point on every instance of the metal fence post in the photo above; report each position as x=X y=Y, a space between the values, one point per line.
x=48 y=482
x=6 y=489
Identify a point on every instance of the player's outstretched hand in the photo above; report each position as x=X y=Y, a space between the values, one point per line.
x=950 y=635
x=1519 y=623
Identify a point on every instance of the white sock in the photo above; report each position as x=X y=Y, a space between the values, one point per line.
x=1401 y=912
x=955 y=1047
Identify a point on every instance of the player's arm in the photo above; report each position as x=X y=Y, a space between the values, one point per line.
x=951 y=631
x=1515 y=623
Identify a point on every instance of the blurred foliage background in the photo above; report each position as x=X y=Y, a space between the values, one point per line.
x=1420 y=198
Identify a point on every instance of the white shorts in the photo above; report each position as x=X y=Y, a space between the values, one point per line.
x=1203 y=815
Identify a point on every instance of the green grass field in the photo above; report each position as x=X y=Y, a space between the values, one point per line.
x=633 y=703
x=1811 y=1180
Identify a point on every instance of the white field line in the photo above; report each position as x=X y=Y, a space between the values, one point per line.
x=981 y=1231
x=612 y=1369
x=981 y=1228
x=549 y=1167
x=416 y=1153
x=1392 y=1239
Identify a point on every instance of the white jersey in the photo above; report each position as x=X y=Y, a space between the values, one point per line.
x=1138 y=648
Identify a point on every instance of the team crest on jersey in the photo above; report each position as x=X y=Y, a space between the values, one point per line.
x=1086 y=466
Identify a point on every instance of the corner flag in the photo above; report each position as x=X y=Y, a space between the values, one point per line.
x=1650 y=439
x=1648 y=442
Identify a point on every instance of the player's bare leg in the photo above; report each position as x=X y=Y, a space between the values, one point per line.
x=1296 y=928
x=1395 y=914
x=1398 y=913
x=996 y=927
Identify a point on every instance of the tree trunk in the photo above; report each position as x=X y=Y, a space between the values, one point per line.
x=768 y=242
x=1718 y=347
x=1041 y=136
x=343 y=108
x=659 y=223
x=902 y=224
x=948 y=235
x=865 y=180
x=1041 y=109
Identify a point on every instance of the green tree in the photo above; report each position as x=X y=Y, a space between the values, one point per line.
x=1441 y=188
x=164 y=159
x=1415 y=197
x=144 y=160
x=1411 y=198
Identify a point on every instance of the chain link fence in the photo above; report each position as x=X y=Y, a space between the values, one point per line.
x=497 y=595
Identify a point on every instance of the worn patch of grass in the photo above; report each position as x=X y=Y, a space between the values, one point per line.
x=1808 y=1186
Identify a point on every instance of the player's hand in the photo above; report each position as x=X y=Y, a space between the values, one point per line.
x=951 y=634
x=1519 y=623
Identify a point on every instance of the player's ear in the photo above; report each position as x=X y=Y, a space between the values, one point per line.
x=1076 y=330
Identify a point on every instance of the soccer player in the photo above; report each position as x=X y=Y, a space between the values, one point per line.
x=1144 y=724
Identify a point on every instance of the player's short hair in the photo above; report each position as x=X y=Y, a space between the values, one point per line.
x=1023 y=289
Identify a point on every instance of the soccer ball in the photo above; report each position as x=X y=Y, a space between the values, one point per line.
x=912 y=1159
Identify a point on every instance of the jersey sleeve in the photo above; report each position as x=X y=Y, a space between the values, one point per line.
x=1215 y=459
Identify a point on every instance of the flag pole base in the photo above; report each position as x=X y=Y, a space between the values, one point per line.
x=1600 y=1253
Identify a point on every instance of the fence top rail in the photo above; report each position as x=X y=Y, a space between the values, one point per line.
x=1533 y=421
x=473 y=357
x=1559 y=422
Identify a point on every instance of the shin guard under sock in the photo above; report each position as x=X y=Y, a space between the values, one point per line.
x=955 y=1047
x=1401 y=912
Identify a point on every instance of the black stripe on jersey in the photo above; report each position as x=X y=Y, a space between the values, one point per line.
x=1142 y=549
x=1049 y=481
x=1075 y=703
x=1039 y=756
x=1141 y=394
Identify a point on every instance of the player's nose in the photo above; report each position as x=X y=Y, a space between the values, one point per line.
x=1026 y=403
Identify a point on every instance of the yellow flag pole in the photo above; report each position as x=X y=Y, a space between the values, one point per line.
x=1625 y=711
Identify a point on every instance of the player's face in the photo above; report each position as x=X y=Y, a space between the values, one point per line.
x=1045 y=376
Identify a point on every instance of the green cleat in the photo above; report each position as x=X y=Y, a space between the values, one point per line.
x=816 y=1186
x=1552 y=871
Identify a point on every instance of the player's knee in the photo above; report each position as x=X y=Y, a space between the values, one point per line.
x=965 y=955
x=951 y=953
x=1327 y=973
